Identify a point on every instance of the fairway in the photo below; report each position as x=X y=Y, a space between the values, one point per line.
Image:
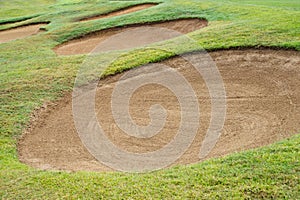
x=55 y=55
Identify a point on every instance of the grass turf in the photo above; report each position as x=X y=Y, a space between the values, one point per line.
x=31 y=74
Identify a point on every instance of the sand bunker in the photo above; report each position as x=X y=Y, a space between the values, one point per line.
x=87 y=43
x=20 y=32
x=263 y=106
x=120 y=12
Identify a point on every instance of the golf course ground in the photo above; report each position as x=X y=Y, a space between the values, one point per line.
x=254 y=44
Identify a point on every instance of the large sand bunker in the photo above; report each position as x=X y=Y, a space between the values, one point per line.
x=87 y=43
x=20 y=32
x=263 y=106
x=120 y=12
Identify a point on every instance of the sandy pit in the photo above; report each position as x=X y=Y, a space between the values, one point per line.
x=263 y=106
x=120 y=12
x=20 y=32
x=86 y=44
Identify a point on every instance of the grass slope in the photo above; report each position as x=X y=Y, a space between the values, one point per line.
x=31 y=74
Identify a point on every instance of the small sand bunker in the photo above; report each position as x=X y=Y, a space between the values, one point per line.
x=263 y=106
x=20 y=32
x=87 y=43
x=121 y=11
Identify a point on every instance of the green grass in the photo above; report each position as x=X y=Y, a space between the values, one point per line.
x=31 y=74
x=269 y=172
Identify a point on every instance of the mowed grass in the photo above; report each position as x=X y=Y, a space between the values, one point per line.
x=31 y=74
x=270 y=172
